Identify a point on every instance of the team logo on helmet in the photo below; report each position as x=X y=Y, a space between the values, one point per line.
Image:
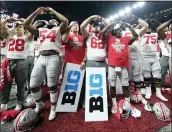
x=123 y=109
x=161 y=111
x=135 y=97
x=25 y=120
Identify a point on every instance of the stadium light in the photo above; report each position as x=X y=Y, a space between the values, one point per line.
x=111 y=17
x=121 y=13
x=140 y=4
x=135 y=6
x=116 y=16
x=127 y=10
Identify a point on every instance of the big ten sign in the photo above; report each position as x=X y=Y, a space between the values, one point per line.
x=70 y=89
x=96 y=94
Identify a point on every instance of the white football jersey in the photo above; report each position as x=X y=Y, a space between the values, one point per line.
x=17 y=47
x=134 y=49
x=37 y=46
x=167 y=42
x=4 y=47
x=149 y=44
x=96 y=49
x=50 y=39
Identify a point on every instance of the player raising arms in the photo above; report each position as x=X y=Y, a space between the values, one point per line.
x=118 y=61
x=16 y=54
x=48 y=62
x=151 y=64
x=95 y=52
x=166 y=58
x=135 y=70
x=74 y=50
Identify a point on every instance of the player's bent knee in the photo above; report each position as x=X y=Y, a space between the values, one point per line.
x=33 y=85
x=146 y=74
x=156 y=73
x=137 y=77
x=52 y=84
x=112 y=80
x=125 y=84
x=112 y=83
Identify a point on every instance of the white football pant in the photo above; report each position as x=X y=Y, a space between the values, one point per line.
x=135 y=70
x=151 y=64
x=48 y=65
x=123 y=76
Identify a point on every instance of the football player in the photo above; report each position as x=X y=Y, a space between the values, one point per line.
x=30 y=58
x=118 y=60
x=16 y=54
x=135 y=70
x=3 y=42
x=151 y=62
x=166 y=46
x=74 y=50
x=95 y=52
x=3 y=49
x=50 y=39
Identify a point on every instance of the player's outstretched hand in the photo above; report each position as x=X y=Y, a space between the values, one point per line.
x=95 y=17
x=11 y=20
x=40 y=10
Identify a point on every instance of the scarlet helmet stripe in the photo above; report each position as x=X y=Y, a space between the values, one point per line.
x=163 y=113
x=19 y=117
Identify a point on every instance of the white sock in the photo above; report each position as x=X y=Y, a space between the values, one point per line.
x=53 y=97
x=144 y=101
x=53 y=107
x=37 y=95
x=148 y=89
x=159 y=94
x=114 y=101
x=127 y=99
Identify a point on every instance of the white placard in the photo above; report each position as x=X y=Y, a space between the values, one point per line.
x=96 y=108
x=70 y=89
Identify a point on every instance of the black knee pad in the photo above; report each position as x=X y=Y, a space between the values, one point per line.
x=113 y=88
x=147 y=80
x=53 y=89
x=137 y=84
x=35 y=89
x=157 y=82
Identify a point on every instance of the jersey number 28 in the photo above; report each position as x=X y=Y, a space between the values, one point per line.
x=16 y=45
